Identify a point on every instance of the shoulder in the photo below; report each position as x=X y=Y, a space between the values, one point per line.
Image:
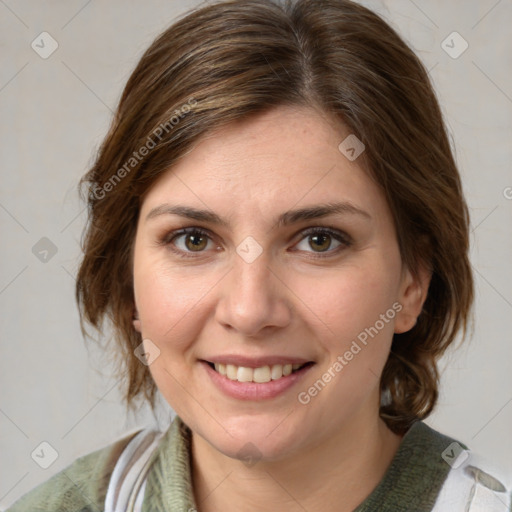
x=472 y=481
x=434 y=472
x=80 y=487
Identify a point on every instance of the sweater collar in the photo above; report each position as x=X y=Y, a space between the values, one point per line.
x=415 y=476
x=169 y=483
x=412 y=481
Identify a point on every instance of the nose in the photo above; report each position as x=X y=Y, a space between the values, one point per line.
x=254 y=299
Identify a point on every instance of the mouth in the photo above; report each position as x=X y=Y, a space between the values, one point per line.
x=259 y=375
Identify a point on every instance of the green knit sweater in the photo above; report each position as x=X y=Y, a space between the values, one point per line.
x=412 y=481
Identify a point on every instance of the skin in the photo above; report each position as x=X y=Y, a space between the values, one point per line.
x=330 y=453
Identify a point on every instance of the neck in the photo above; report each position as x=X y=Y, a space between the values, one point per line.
x=335 y=476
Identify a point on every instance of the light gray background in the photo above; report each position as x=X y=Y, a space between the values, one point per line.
x=54 y=113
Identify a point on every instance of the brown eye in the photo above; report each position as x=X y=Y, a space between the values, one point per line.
x=191 y=240
x=323 y=240
x=320 y=243
x=195 y=242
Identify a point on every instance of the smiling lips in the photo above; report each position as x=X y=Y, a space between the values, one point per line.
x=260 y=375
x=255 y=378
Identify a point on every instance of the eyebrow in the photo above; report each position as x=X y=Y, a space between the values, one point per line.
x=285 y=219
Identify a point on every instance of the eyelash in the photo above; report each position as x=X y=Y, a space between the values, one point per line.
x=339 y=236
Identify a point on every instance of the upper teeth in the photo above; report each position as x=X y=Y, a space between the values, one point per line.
x=261 y=374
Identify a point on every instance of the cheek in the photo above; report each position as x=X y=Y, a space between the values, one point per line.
x=350 y=300
x=354 y=308
x=169 y=301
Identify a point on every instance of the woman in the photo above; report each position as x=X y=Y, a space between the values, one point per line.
x=278 y=235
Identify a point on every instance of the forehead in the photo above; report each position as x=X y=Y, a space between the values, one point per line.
x=287 y=156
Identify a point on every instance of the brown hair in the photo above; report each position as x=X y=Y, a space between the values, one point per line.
x=232 y=59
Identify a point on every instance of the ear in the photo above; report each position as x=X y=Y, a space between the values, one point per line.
x=412 y=296
x=136 y=320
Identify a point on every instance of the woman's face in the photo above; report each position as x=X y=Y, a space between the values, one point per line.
x=266 y=249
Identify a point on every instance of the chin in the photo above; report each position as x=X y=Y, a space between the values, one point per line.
x=255 y=437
